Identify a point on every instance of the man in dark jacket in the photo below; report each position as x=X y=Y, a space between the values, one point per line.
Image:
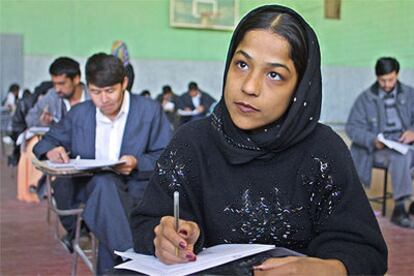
x=387 y=108
x=114 y=125
x=194 y=104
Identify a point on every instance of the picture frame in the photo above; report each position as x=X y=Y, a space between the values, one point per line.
x=204 y=14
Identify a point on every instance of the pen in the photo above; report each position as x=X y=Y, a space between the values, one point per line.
x=176 y=214
x=67 y=153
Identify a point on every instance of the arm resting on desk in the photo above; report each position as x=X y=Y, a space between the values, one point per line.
x=58 y=135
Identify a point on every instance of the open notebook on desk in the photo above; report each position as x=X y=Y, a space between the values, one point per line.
x=209 y=257
x=84 y=164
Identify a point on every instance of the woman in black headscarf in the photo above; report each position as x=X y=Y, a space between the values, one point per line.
x=261 y=169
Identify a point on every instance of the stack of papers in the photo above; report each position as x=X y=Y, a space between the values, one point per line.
x=84 y=164
x=208 y=258
x=182 y=112
x=400 y=147
x=39 y=130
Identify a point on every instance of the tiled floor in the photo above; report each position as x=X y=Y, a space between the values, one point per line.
x=28 y=246
x=27 y=242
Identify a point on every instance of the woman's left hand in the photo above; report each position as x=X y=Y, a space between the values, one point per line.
x=300 y=266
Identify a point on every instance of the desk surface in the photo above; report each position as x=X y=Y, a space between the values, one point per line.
x=43 y=167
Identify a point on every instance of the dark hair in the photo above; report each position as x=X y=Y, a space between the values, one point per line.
x=166 y=89
x=26 y=93
x=65 y=66
x=14 y=87
x=145 y=93
x=386 y=65
x=104 y=70
x=192 y=86
x=282 y=24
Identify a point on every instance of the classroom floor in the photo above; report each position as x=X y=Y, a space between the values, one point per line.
x=28 y=245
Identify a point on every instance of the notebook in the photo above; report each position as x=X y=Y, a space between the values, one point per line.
x=208 y=258
x=84 y=164
x=400 y=147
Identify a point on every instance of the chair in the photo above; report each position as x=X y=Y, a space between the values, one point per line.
x=91 y=260
x=385 y=194
x=5 y=129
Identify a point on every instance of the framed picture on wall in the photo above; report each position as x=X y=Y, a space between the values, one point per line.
x=204 y=14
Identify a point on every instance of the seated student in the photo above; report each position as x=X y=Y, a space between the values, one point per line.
x=145 y=93
x=24 y=105
x=67 y=91
x=10 y=102
x=194 y=100
x=27 y=174
x=386 y=107
x=261 y=169
x=114 y=125
x=168 y=100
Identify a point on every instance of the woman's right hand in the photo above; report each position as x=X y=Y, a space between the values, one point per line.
x=172 y=246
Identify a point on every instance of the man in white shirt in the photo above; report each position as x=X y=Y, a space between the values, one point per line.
x=194 y=104
x=115 y=125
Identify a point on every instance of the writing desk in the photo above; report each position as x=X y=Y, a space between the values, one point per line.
x=66 y=172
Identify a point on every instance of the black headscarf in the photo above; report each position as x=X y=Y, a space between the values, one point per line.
x=299 y=120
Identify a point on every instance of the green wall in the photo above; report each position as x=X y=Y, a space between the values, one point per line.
x=367 y=29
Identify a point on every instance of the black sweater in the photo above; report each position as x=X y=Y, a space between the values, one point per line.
x=308 y=199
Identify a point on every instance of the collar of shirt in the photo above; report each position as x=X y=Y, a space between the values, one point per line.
x=196 y=100
x=111 y=132
x=123 y=111
x=383 y=94
x=81 y=100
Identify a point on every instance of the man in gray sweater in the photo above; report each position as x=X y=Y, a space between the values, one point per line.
x=386 y=107
x=67 y=91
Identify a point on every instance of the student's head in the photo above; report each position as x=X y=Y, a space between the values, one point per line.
x=146 y=93
x=166 y=89
x=14 y=88
x=268 y=58
x=105 y=76
x=26 y=93
x=193 y=89
x=387 y=69
x=66 y=76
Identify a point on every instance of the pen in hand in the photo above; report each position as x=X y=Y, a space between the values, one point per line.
x=177 y=214
x=64 y=156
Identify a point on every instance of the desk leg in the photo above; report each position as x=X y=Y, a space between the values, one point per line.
x=49 y=197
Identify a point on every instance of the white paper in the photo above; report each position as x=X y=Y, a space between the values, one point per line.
x=208 y=258
x=29 y=133
x=400 y=147
x=182 y=112
x=38 y=130
x=84 y=164
x=168 y=106
x=21 y=138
